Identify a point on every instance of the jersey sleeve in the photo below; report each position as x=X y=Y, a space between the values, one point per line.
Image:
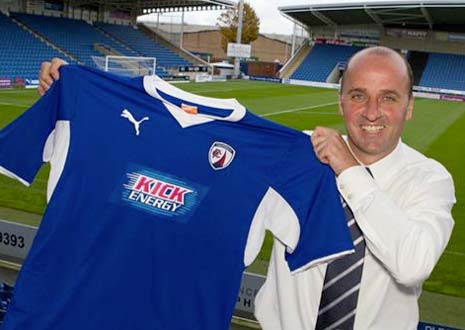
x=22 y=141
x=309 y=188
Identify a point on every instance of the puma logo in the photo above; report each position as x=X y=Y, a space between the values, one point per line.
x=129 y=116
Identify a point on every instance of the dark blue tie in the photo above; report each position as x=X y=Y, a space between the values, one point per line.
x=338 y=302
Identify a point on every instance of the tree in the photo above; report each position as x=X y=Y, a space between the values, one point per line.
x=228 y=22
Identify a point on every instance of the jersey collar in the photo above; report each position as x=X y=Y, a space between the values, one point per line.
x=171 y=96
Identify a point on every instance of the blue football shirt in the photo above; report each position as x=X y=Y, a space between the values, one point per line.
x=157 y=201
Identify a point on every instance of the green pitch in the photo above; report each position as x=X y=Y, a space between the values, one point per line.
x=437 y=129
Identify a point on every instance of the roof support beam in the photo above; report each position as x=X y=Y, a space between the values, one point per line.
x=425 y=13
x=396 y=16
x=405 y=19
x=221 y=3
x=323 y=18
x=374 y=17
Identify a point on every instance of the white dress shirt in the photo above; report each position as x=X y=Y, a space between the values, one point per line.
x=404 y=212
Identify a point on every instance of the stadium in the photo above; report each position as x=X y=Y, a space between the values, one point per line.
x=291 y=80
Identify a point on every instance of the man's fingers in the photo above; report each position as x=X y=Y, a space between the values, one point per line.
x=318 y=144
x=41 y=90
x=44 y=75
x=55 y=66
x=313 y=137
x=322 y=131
x=49 y=72
x=318 y=140
x=320 y=149
x=43 y=87
x=322 y=156
x=54 y=73
x=331 y=149
x=324 y=160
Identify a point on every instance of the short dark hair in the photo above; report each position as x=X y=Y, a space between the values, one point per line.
x=382 y=51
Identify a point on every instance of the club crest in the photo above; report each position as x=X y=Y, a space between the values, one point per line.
x=220 y=155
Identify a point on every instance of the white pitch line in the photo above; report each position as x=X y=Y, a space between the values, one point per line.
x=455 y=253
x=8 y=91
x=15 y=104
x=318 y=113
x=298 y=109
x=218 y=90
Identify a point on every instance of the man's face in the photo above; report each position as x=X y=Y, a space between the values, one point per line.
x=375 y=104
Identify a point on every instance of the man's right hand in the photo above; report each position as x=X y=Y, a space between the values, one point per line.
x=49 y=73
x=330 y=148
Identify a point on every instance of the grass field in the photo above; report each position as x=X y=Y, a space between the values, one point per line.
x=437 y=129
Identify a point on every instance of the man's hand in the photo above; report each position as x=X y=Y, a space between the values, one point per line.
x=49 y=73
x=331 y=149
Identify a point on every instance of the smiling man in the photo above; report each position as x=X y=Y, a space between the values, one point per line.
x=398 y=205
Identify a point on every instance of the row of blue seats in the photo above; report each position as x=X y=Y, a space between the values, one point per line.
x=65 y=33
x=139 y=41
x=78 y=38
x=25 y=51
x=321 y=61
x=446 y=71
x=21 y=52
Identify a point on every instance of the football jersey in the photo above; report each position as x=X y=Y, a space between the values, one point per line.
x=157 y=201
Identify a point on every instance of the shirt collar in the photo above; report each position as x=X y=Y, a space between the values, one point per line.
x=387 y=166
x=226 y=109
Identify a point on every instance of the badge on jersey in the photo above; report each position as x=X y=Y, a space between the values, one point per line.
x=220 y=155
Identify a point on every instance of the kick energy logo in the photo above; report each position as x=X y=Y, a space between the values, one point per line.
x=161 y=194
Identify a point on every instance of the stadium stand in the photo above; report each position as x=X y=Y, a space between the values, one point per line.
x=321 y=61
x=21 y=51
x=446 y=71
x=435 y=70
x=74 y=36
x=143 y=44
x=78 y=38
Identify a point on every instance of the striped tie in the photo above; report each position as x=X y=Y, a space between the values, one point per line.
x=342 y=283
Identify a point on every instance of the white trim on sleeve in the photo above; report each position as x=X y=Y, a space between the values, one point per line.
x=10 y=174
x=275 y=214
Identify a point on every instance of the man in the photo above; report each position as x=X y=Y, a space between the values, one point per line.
x=401 y=201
